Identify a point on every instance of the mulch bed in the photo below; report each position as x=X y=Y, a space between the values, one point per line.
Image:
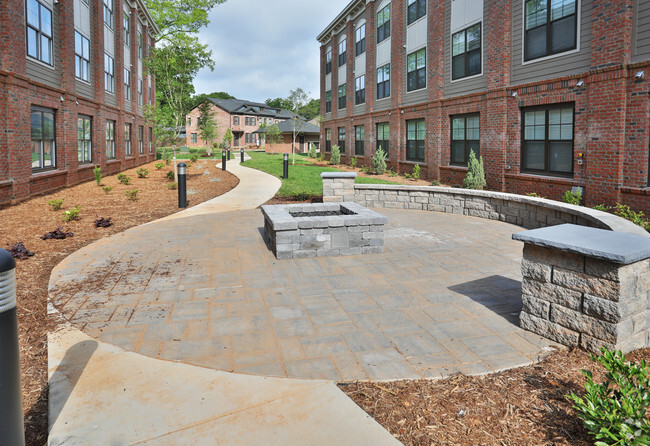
x=28 y=221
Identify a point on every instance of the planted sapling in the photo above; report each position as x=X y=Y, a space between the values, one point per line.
x=56 y=204
x=132 y=194
x=142 y=172
x=72 y=214
x=107 y=189
x=159 y=166
x=98 y=175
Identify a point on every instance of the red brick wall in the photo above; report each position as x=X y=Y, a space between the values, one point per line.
x=224 y=121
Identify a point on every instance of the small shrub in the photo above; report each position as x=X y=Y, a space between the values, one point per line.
x=166 y=154
x=72 y=214
x=172 y=186
x=378 y=161
x=475 y=178
x=142 y=172
x=571 y=197
x=391 y=173
x=56 y=204
x=120 y=176
x=194 y=158
x=171 y=176
x=435 y=183
x=98 y=175
x=312 y=150
x=364 y=168
x=107 y=189
x=416 y=172
x=126 y=180
x=103 y=222
x=18 y=251
x=193 y=150
x=132 y=194
x=614 y=412
x=188 y=164
x=353 y=162
x=534 y=194
x=637 y=218
x=335 y=157
x=159 y=166
x=57 y=234
x=602 y=207
x=321 y=157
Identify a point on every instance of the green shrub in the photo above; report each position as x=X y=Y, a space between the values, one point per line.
x=571 y=197
x=416 y=172
x=195 y=157
x=120 y=176
x=615 y=412
x=435 y=183
x=132 y=194
x=534 y=194
x=159 y=166
x=166 y=154
x=193 y=150
x=637 y=218
x=56 y=204
x=391 y=173
x=142 y=172
x=475 y=178
x=378 y=161
x=335 y=157
x=353 y=162
x=171 y=176
x=124 y=179
x=72 y=214
x=172 y=186
x=98 y=175
x=602 y=207
x=107 y=189
x=312 y=150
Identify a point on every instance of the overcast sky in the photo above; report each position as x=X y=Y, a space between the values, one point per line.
x=264 y=48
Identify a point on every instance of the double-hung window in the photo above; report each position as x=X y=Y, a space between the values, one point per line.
x=109 y=73
x=110 y=140
x=108 y=13
x=84 y=139
x=328 y=101
x=416 y=67
x=416 y=9
x=360 y=90
x=466 y=52
x=383 y=81
x=359 y=137
x=43 y=138
x=194 y=138
x=383 y=137
x=342 y=96
x=342 y=51
x=127 y=84
x=39 y=32
x=150 y=139
x=360 y=41
x=140 y=92
x=235 y=120
x=328 y=140
x=465 y=137
x=139 y=45
x=550 y=27
x=140 y=140
x=127 y=139
x=81 y=57
x=548 y=139
x=127 y=29
x=341 y=140
x=328 y=62
x=383 y=24
x=415 y=140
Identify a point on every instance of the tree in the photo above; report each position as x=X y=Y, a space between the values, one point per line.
x=227 y=138
x=279 y=103
x=207 y=126
x=298 y=99
x=197 y=99
x=271 y=133
x=310 y=110
x=179 y=17
x=475 y=178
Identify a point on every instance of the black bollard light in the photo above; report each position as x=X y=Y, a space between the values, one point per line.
x=11 y=403
x=241 y=153
x=229 y=155
x=285 y=167
x=182 y=185
x=223 y=160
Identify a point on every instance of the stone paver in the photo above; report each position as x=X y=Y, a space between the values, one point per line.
x=444 y=297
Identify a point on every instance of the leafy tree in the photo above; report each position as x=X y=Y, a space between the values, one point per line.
x=271 y=133
x=297 y=98
x=335 y=156
x=310 y=110
x=179 y=17
x=378 y=161
x=197 y=99
x=207 y=126
x=227 y=138
x=282 y=103
x=475 y=178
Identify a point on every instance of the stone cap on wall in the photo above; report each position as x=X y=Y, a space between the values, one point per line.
x=338 y=175
x=601 y=244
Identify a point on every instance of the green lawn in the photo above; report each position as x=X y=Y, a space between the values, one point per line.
x=304 y=177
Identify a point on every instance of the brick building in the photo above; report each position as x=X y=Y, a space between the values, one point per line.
x=72 y=92
x=306 y=133
x=552 y=93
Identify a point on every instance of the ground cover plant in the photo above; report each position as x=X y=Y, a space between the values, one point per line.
x=56 y=203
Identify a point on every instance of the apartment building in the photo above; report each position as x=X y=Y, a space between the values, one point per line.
x=242 y=117
x=553 y=94
x=73 y=89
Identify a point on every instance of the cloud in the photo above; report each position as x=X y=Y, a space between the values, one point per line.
x=264 y=48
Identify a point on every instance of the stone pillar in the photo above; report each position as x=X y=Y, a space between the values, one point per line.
x=586 y=287
x=338 y=186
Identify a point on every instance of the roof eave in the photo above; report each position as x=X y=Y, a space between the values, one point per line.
x=326 y=34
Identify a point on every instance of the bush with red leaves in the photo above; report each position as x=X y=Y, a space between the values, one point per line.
x=103 y=222
x=19 y=251
x=57 y=234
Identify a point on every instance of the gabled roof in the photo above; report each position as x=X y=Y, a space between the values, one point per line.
x=305 y=128
x=240 y=106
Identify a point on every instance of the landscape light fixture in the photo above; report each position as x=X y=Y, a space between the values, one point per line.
x=640 y=74
x=580 y=84
x=514 y=94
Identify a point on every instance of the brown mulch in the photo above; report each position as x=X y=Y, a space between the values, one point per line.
x=27 y=221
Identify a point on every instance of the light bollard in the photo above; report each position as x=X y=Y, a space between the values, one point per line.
x=223 y=160
x=182 y=185
x=285 y=167
x=11 y=405
x=241 y=153
x=229 y=155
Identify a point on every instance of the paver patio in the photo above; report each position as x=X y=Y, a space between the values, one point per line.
x=443 y=298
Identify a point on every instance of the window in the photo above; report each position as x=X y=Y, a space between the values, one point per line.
x=548 y=140
x=127 y=29
x=140 y=140
x=259 y=121
x=108 y=13
x=127 y=139
x=84 y=139
x=109 y=73
x=140 y=96
x=328 y=62
x=189 y=121
x=465 y=137
x=82 y=57
x=360 y=90
x=127 y=84
x=383 y=24
x=110 y=140
x=466 y=52
x=416 y=70
x=383 y=81
x=235 y=120
x=342 y=51
x=39 y=32
x=342 y=96
x=550 y=27
x=194 y=138
x=150 y=139
x=139 y=45
x=360 y=45
x=415 y=140
x=342 y=139
x=328 y=140
x=359 y=136
x=416 y=9
x=43 y=138
x=383 y=137
x=328 y=101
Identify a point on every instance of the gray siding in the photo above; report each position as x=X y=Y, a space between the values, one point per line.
x=641 y=31
x=417 y=96
x=468 y=86
x=573 y=63
x=40 y=72
x=382 y=104
x=128 y=105
x=359 y=109
x=341 y=113
x=84 y=88
x=111 y=100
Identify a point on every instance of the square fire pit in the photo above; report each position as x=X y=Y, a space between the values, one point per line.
x=322 y=229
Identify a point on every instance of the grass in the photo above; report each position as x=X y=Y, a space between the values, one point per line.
x=304 y=177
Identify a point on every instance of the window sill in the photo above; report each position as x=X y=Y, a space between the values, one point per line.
x=636 y=190
x=414 y=162
x=88 y=165
x=47 y=172
x=455 y=168
x=541 y=178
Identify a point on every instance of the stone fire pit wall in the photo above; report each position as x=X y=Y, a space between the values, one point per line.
x=358 y=231
x=586 y=286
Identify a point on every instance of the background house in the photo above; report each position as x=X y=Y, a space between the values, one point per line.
x=306 y=133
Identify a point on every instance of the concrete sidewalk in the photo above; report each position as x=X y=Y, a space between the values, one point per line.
x=102 y=394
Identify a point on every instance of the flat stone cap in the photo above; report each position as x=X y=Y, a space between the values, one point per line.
x=617 y=247
x=338 y=175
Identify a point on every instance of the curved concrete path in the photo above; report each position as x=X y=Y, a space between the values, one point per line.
x=102 y=394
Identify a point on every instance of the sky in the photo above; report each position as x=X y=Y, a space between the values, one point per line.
x=264 y=48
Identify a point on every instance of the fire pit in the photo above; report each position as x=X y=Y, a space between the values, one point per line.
x=322 y=229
